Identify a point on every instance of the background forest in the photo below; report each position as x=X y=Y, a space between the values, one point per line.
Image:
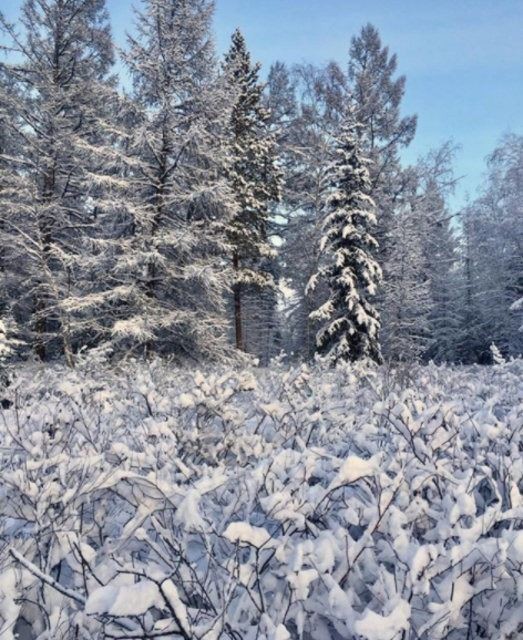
x=183 y=215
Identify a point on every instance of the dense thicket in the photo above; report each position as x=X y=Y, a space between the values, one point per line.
x=185 y=216
x=289 y=503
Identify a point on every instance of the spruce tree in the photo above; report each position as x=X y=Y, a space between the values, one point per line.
x=377 y=93
x=254 y=177
x=306 y=152
x=349 y=322
x=441 y=269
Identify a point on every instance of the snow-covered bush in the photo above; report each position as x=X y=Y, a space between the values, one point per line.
x=277 y=504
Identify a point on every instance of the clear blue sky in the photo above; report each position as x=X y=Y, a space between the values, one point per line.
x=463 y=58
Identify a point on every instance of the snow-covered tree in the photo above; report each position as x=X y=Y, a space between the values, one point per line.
x=349 y=321
x=377 y=93
x=441 y=256
x=372 y=88
x=7 y=150
x=5 y=344
x=446 y=290
x=420 y=297
x=57 y=99
x=173 y=247
x=406 y=296
x=377 y=96
x=254 y=177
x=517 y=306
x=264 y=309
x=493 y=258
x=306 y=153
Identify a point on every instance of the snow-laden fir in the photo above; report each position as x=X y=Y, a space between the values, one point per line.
x=324 y=504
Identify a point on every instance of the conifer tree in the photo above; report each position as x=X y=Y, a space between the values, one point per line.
x=441 y=268
x=254 y=177
x=173 y=246
x=7 y=151
x=56 y=100
x=377 y=95
x=349 y=322
x=419 y=310
x=307 y=152
x=436 y=236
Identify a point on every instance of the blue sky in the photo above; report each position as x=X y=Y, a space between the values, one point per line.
x=463 y=59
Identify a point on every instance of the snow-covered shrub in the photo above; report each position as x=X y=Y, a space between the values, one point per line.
x=275 y=504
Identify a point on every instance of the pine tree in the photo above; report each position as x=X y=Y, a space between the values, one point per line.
x=254 y=177
x=58 y=94
x=173 y=245
x=350 y=322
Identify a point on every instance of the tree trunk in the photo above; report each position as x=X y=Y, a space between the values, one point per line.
x=40 y=329
x=46 y=237
x=238 y=308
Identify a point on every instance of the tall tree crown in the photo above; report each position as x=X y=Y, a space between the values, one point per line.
x=254 y=175
x=350 y=323
x=61 y=93
x=172 y=52
x=377 y=94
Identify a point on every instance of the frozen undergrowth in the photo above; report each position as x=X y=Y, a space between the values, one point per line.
x=356 y=503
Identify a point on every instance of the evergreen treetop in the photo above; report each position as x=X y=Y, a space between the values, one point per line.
x=350 y=322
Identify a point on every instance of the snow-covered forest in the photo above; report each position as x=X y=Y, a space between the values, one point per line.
x=183 y=214
x=259 y=378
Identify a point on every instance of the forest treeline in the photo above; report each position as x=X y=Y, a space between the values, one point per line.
x=202 y=211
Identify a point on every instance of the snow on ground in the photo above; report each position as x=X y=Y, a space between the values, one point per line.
x=305 y=503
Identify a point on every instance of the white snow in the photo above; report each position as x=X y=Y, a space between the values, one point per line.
x=127 y=600
x=245 y=533
x=298 y=487
x=354 y=468
x=377 y=627
x=170 y=592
